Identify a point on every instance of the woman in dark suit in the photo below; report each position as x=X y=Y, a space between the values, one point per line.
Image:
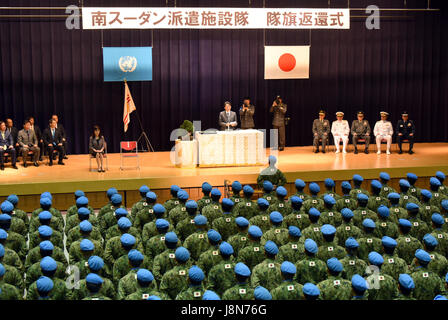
x=97 y=144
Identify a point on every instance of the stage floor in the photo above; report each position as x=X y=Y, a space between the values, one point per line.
x=158 y=172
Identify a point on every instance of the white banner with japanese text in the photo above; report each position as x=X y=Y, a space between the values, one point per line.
x=214 y=18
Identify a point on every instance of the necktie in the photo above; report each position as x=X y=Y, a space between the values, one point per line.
x=28 y=133
x=52 y=132
x=3 y=135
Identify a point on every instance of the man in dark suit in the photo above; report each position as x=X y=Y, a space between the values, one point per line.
x=62 y=129
x=53 y=141
x=6 y=146
x=14 y=133
x=227 y=118
x=38 y=133
x=28 y=142
x=405 y=131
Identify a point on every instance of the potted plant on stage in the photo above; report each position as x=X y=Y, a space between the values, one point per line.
x=187 y=125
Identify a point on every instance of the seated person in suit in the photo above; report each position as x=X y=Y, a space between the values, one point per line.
x=97 y=144
x=38 y=133
x=62 y=129
x=227 y=118
x=6 y=146
x=53 y=141
x=28 y=142
x=14 y=133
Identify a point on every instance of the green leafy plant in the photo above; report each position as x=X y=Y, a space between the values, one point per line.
x=187 y=125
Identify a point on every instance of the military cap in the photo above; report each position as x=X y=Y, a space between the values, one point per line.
x=46 y=245
x=357 y=178
x=255 y=232
x=294 y=231
x=242 y=270
x=404 y=183
x=384 y=113
x=444 y=204
x=85 y=226
x=329 y=200
x=440 y=297
x=288 y=268
x=162 y=224
x=272 y=159
x=410 y=206
x=135 y=255
x=406 y=281
x=110 y=192
x=93 y=278
x=404 y=113
x=261 y=293
x=124 y=223
x=214 y=235
x=82 y=201
x=281 y=192
x=430 y=240
x=376 y=184
x=347 y=213
x=7 y=207
x=46 y=202
x=295 y=200
x=328 y=230
x=346 y=185
x=151 y=196
x=144 y=275
x=48 y=264
x=434 y=182
x=200 y=220
x=227 y=204
x=196 y=274
x=95 y=263
x=360 y=112
x=241 y=222
x=182 y=195
x=45 y=215
x=310 y=289
x=388 y=242
x=271 y=247
x=322 y=112
x=334 y=265
x=206 y=187
x=437 y=219
x=127 y=240
x=404 y=223
x=171 y=237
x=422 y=256
x=262 y=203
x=426 y=193
x=116 y=199
x=375 y=258
x=215 y=193
x=383 y=211
x=440 y=175
x=384 y=176
x=2 y=270
x=5 y=217
x=14 y=199
x=83 y=211
x=359 y=283
x=300 y=184
x=311 y=246
x=276 y=217
x=248 y=190
x=174 y=188
x=314 y=212
x=2 y=251
x=314 y=188
x=86 y=245
x=268 y=186
x=226 y=248
x=362 y=197
x=44 y=231
x=351 y=243
x=46 y=194
x=411 y=177
x=121 y=212
x=210 y=295
x=191 y=204
x=236 y=186
x=329 y=183
x=144 y=189
x=182 y=254
x=44 y=284
x=339 y=114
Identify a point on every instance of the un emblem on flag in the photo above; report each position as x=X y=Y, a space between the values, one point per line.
x=127 y=63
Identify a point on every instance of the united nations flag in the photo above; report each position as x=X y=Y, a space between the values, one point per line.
x=130 y=63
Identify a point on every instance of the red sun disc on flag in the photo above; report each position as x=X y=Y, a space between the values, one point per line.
x=287 y=62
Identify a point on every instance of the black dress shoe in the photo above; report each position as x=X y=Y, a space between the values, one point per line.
x=316 y=151
x=36 y=164
x=15 y=167
x=323 y=151
x=366 y=151
x=411 y=152
x=51 y=163
x=61 y=163
x=2 y=168
x=25 y=165
x=356 y=151
x=400 y=152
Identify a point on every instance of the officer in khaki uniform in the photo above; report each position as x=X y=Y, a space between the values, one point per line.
x=279 y=110
x=361 y=130
x=321 y=130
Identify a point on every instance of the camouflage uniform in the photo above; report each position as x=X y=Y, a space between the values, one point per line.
x=109 y=219
x=185 y=228
x=252 y=254
x=330 y=216
x=197 y=243
x=191 y=293
x=355 y=191
x=313 y=232
x=205 y=200
x=352 y=265
x=9 y=292
x=107 y=290
x=245 y=208
x=156 y=245
x=415 y=191
x=171 y=203
x=240 y=291
x=310 y=269
x=427 y=284
x=426 y=211
x=222 y=276
x=266 y=274
x=142 y=293
x=96 y=296
x=174 y=281
x=272 y=174
x=12 y=259
x=115 y=250
x=13 y=277
x=73 y=210
x=136 y=207
x=164 y=262
x=59 y=291
x=405 y=198
x=74 y=221
x=313 y=202
x=298 y=219
x=282 y=206
x=419 y=228
x=335 y=288
x=18 y=226
x=383 y=286
x=75 y=234
x=276 y=234
x=35 y=272
x=347 y=230
x=363 y=213
x=56 y=239
x=54 y=212
x=17 y=243
x=178 y=214
x=225 y=225
x=209 y=258
x=346 y=202
x=75 y=253
x=238 y=242
x=330 y=193
x=55 y=224
x=21 y=215
x=442 y=239
x=302 y=195
x=270 y=197
x=386 y=227
x=329 y=250
x=144 y=215
x=406 y=247
x=367 y=244
x=128 y=284
x=123 y=267
x=397 y=213
x=293 y=251
x=212 y=211
x=150 y=230
x=115 y=231
x=262 y=221
x=437 y=198
x=394 y=265
x=438 y=264
x=35 y=256
x=288 y=290
x=385 y=190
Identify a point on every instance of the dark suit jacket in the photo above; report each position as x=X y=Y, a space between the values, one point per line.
x=8 y=141
x=223 y=119
x=62 y=129
x=14 y=134
x=48 y=137
x=38 y=132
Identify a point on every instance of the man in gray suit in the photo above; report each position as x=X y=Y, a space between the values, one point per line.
x=278 y=122
x=28 y=142
x=227 y=118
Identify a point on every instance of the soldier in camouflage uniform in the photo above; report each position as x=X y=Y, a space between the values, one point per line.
x=174 y=201
x=386 y=226
x=156 y=244
x=288 y=289
x=242 y=290
x=335 y=287
x=17 y=223
x=47 y=288
x=329 y=248
x=300 y=186
x=313 y=230
x=8 y=291
x=441 y=177
x=107 y=207
x=405 y=287
x=46 y=267
x=84 y=214
x=110 y=217
x=357 y=189
x=221 y=277
x=310 y=269
x=45 y=218
x=375 y=200
x=267 y=273
x=438 y=263
x=245 y=207
x=225 y=224
x=346 y=201
x=206 y=199
x=413 y=190
x=385 y=189
x=45 y=248
x=407 y=244
x=351 y=263
x=213 y=210
x=15 y=242
x=82 y=250
x=146 y=213
x=382 y=286
x=427 y=283
x=363 y=212
x=45 y=205
x=124 y=225
x=6 y=222
x=117 y=247
x=42 y=234
x=437 y=196
x=195 y=288
x=269 y=193
x=405 y=196
x=11 y=275
x=239 y=240
x=11 y=258
x=369 y=242
x=179 y=212
x=186 y=226
x=253 y=253
x=419 y=227
x=427 y=209
x=359 y=288
x=261 y=220
x=297 y=217
x=150 y=229
x=126 y=267
x=210 y=257
x=277 y=233
x=272 y=174
x=293 y=251
x=136 y=207
x=236 y=189
x=94 y=283
x=393 y=265
x=313 y=201
x=347 y=229
x=330 y=189
x=143 y=287
x=175 y=280
x=282 y=206
x=197 y=242
x=81 y=201
x=166 y=260
x=18 y=213
x=329 y=215
x=439 y=234
x=84 y=230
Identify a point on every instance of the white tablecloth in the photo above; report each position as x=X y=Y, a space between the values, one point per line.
x=185 y=153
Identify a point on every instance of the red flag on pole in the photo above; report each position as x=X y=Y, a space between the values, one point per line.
x=129 y=106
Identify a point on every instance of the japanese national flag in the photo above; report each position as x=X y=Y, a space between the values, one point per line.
x=286 y=62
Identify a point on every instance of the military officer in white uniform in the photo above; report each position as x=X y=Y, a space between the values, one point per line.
x=383 y=130
x=340 y=130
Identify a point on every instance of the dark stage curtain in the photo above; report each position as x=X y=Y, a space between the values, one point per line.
x=48 y=69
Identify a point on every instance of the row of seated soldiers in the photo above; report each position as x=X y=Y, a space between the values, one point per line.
x=107 y=250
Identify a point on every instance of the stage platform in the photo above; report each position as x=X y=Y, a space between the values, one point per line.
x=157 y=171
